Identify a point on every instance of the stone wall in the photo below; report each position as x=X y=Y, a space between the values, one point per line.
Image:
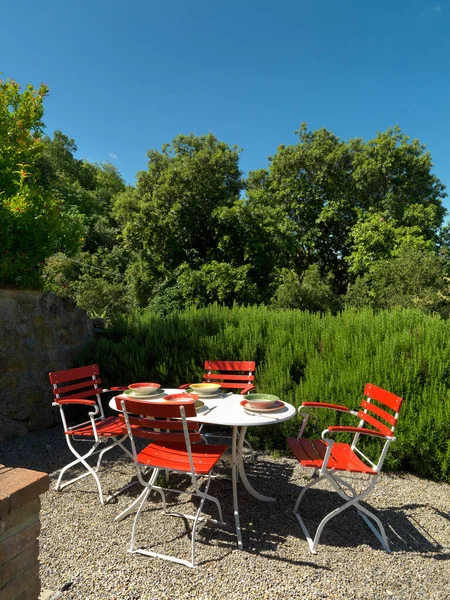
x=19 y=529
x=39 y=333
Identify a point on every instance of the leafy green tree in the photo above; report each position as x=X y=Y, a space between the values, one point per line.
x=94 y=277
x=393 y=172
x=86 y=188
x=217 y=282
x=170 y=219
x=21 y=127
x=311 y=292
x=322 y=187
x=309 y=190
x=377 y=237
x=93 y=281
x=412 y=277
x=254 y=236
x=34 y=222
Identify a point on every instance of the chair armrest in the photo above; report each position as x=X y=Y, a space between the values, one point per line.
x=326 y=405
x=348 y=429
x=119 y=388
x=248 y=388
x=184 y=386
x=75 y=401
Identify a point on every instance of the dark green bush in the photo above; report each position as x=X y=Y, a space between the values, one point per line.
x=302 y=356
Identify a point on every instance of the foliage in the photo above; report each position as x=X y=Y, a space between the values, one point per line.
x=377 y=237
x=21 y=127
x=94 y=277
x=322 y=188
x=93 y=281
x=411 y=277
x=310 y=292
x=303 y=356
x=169 y=220
x=328 y=219
x=34 y=222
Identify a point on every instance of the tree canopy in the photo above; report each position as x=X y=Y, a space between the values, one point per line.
x=34 y=221
x=329 y=222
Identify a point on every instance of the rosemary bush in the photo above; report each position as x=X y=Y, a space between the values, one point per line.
x=302 y=356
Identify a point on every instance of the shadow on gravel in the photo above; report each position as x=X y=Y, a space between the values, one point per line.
x=403 y=530
x=266 y=527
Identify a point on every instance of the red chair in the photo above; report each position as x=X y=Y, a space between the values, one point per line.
x=235 y=375
x=83 y=386
x=175 y=446
x=333 y=461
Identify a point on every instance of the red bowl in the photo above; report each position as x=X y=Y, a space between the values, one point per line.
x=180 y=397
x=142 y=386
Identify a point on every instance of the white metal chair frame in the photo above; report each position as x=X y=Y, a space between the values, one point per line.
x=150 y=485
x=351 y=497
x=96 y=418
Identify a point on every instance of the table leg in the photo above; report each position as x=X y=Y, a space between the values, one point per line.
x=234 y=477
x=240 y=465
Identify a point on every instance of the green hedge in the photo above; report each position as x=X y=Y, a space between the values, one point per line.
x=302 y=356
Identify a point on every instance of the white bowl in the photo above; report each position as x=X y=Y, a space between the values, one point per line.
x=205 y=389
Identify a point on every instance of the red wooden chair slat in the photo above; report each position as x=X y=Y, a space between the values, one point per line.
x=166 y=456
x=228 y=379
x=329 y=457
x=344 y=459
x=383 y=396
x=383 y=414
x=384 y=429
x=79 y=394
x=232 y=374
x=73 y=374
x=160 y=410
x=230 y=365
x=94 y=386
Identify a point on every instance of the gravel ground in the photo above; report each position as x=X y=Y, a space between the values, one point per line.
x=81 y=543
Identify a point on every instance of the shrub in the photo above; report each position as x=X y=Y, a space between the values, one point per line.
x=302 y=356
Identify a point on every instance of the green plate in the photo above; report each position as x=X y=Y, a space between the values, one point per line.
x=261 y=397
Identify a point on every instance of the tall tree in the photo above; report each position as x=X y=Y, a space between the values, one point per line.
x=33 y=220
x=322 y=187
x=170 y=220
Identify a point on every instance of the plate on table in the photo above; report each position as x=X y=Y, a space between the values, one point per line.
x=218 y=394
x=199 y=404
x=134 y=395
x=278 y=404
x=146 y=389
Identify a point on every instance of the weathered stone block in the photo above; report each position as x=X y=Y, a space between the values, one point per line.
x=18 y=487
x=40 y=333
x=25 y=586
x=23 y=516
x=19 y=564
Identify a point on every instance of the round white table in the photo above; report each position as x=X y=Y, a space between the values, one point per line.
x=227 y=410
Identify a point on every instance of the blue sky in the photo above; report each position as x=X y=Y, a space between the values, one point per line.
x=128 y=76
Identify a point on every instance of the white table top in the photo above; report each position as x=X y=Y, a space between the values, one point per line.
x=227 y=410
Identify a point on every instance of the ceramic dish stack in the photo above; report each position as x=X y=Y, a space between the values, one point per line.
x=183 y=397
x=261 y=402
x=206 y=390
x=144 y=391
